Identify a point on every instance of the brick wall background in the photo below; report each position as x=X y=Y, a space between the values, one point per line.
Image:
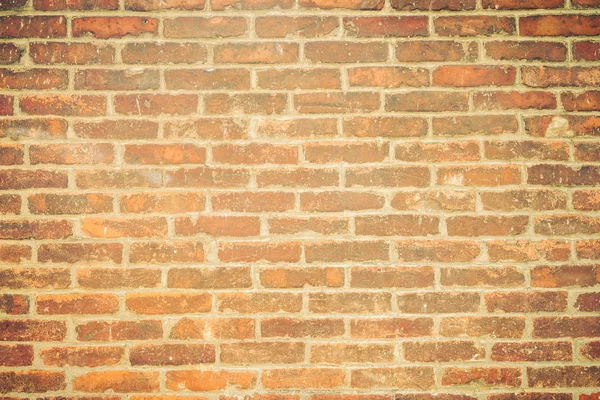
x=300 y=199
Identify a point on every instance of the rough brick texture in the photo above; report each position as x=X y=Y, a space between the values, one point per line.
x=299 y=199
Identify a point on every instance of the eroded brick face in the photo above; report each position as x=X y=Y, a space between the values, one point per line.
x=299 y=199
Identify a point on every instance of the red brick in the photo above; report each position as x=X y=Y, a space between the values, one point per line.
x=259 y=302
x=397 y=225
x=203 y=177
x=163 y=53
x=151 y=5
x=32 y=330
x=294 y=277
x=237 y=226
x=522 y=4
x=438 y=250
x=250 y=4
x=77 y=304
x=33 y=79
x=298 y=177
x=222 y=328
x=564 y=376
x=350 y=5
x=32 y=381
x=29 y=229
x=119 y=330
x=474 y=26
x=18 y=355
x=526 y=50
x=563 y=175
x=110 y=278
x=55 y=5
x=313 y=78
x=207 y=128
x=10 y=53
x=13 y=4
x=259 y=251
x=340 y=251
x=281 y=26
x=208 y=79
x=437 y=152
x=246 y=103
x=168 y=303
x=6 y=105
x=116 y=129
x=588 y=249
x=484 y=376
x=467 y=76
x=479 y=175
x=262 y=353
x=80 y=253
x=438 y=302
x=393 y=378
x=102 y=79
x=14 y=253
x=389 y=328
x=555 y=327
x=22 y=278
x=166 y=252
x=72 y=154
x=124 y=227
x=64 y=105
x=563 y=276
x=303 y=378
x=442 y=351
x=172 y=354
x=525 y=150
x=384 y=126
x=510 y=100
x=347 y=353
x=209 y=278
x=302 y=328
x=349 y=303
x=560 y=25
x=255 y=53
x=11 y=154
x=34 y=26
x=205 y=381
x=71 y=53
x=195 y=27
x=89 y=356
x=587 y=200
x=483 y=326
x=438 y=50
x=114 y=27
x=588 y=302
x=437 y=5
x=482 y=277
x=166 y=202
x=391 y=277
x=475 y=125
x=10 y=204
x=525 y=250
x=156 y=104
x=121 y=178
x=386 y=26
x=586 y=51
x=427 y=101
x=117 y=381
x=317 y=225
x=345 y=52
x=526 y=302
x=435 y=200
x=559 y=76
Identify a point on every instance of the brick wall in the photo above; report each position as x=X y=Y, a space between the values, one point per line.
x=300 y=199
